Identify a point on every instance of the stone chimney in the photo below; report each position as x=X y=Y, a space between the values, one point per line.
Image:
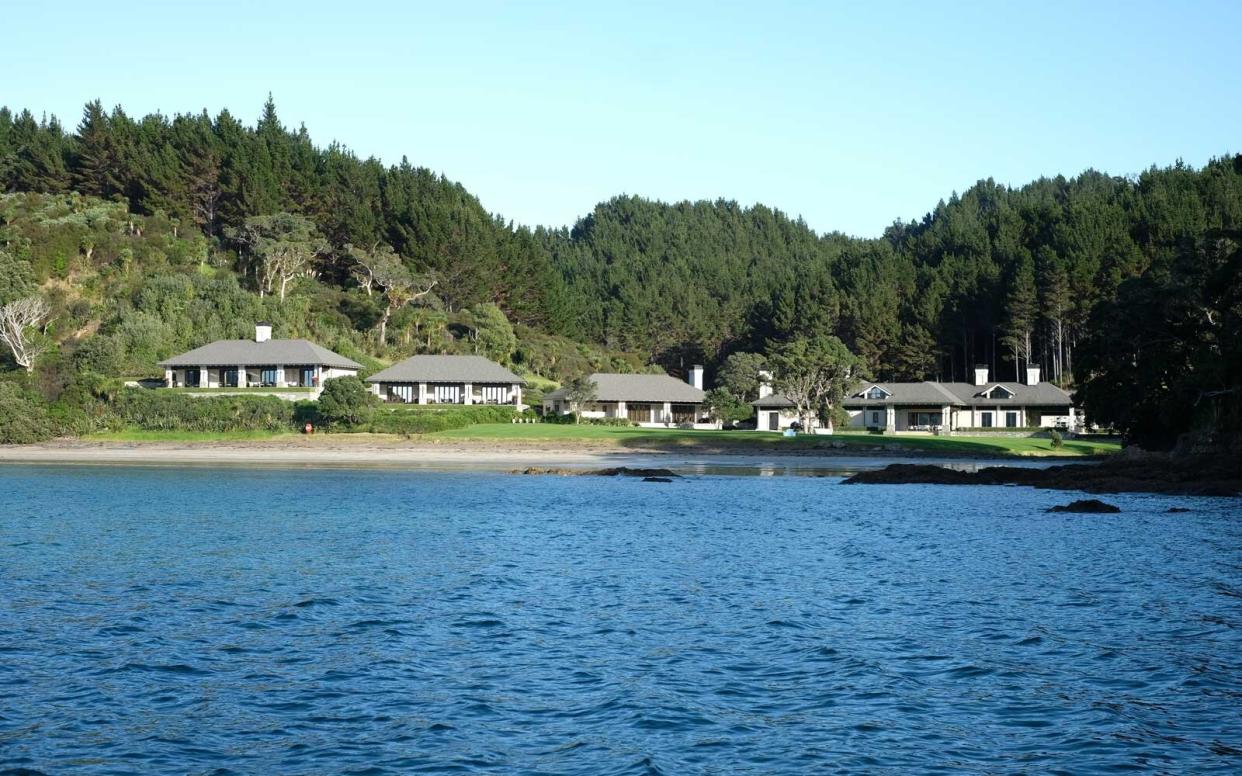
x=262 y=331
x=696 y=376
x=1032 y=375
x=981 y=374
x=765 y=384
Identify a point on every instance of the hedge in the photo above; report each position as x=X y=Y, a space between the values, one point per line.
x=425 y=420
x=157 y=410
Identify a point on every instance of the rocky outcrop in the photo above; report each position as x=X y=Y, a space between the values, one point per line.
x=1090 y=506
x=648 y=475
x=1148 y=474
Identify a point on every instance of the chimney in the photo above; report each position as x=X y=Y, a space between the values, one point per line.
x=696 y=376
x=981 y=374
x=262 y=331
x=1032 y=375
x=765 y=384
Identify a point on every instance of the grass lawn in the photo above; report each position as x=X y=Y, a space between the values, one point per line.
x=687 y=439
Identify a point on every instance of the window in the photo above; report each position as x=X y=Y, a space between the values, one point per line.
x=876 y=392
x=985 y=420
x=638 y=412
x=445 y=393
x=922 y=419
x=1000 y=392
x=495 y=394
x=684 y=413
x=875 y=419
x=191 y=377
x=230 y=378
x=1011 y=419
x=268 y=376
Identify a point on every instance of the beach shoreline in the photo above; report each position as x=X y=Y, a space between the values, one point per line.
x=467 y=455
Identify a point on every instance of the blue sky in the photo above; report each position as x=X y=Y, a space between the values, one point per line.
x=848 y=114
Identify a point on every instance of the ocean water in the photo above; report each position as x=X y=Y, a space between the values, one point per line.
x=222 y=621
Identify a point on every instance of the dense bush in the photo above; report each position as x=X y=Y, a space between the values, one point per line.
x=24 y=417
x=346 y=402
x=408 y=421
x=171 y=411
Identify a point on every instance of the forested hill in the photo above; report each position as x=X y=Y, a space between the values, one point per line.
x=995 y=275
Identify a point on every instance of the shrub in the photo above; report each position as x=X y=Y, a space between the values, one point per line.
x=345 y=401
x=157 y=410
x=407 y=421
x=24 y=417
x=1057 y=439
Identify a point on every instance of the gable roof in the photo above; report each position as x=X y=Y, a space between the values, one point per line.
x=445 y=369
x=639 y=388
x=959 y=394
x=277 y=352
x=772 y=400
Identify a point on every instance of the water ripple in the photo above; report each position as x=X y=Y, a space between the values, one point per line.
x=388 y=623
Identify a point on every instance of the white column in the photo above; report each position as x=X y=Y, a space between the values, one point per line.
x=517 y=395
x=422 y=393
x=280 y=376
x=667 y=412
x=621 y=411
x=890 y=418
x=946 y=418
x=241 y=377
x=469 y=397
x=1073 y=421
x=204 y=379
x=168 y=377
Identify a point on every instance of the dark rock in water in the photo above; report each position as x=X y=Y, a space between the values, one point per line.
x=1177 y=510
x=656 y=479
x=657 y=475
x=1200 y=476
x=1091 y=506
x=625 y=471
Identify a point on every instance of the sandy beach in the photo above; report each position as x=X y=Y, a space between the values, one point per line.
x=458 y=455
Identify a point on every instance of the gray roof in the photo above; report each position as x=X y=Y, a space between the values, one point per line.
x=772 y=400
x=277 y=352
x=960 y=394
x=446 y=369
x=639 y=388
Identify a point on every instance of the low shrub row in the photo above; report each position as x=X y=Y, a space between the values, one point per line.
x=138 y=408
x=425 y=420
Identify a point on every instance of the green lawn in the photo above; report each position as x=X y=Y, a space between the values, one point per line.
x=687 y=439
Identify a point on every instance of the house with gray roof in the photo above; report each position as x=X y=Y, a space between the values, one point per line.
x=447 y=380
x=259 y=363
x=979 y=405
x=654 y=401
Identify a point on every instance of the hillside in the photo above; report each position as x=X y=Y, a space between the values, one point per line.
x=143 y=235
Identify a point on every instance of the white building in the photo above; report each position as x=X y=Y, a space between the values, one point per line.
x=652 y=401
x=980 y=405
x=447 y=380
x=259 y=363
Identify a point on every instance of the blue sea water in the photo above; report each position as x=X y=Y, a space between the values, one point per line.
x=289 y=621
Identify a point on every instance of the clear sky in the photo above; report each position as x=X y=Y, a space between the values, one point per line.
x=849 y=114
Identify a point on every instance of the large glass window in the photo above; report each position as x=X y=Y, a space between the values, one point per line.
x=924 y=419
x=985 y=420
x=267 y=376
x=1011 y=419
x=684 y=413
x=638 y=412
